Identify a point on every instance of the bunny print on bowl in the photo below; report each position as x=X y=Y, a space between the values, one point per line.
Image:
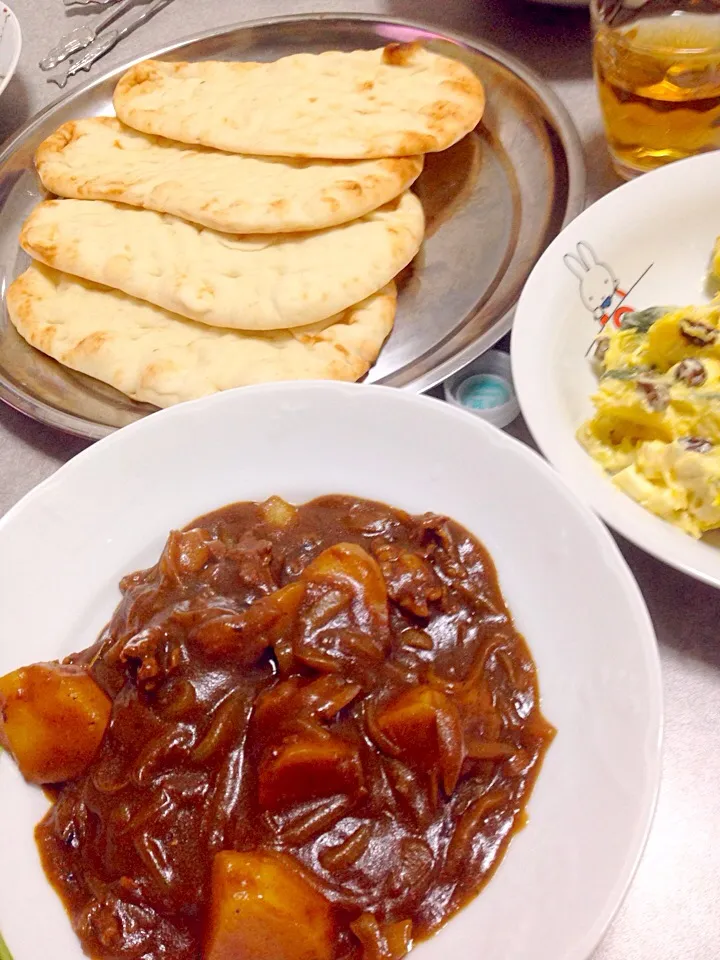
x=599 y=287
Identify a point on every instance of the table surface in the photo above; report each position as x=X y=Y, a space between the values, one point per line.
x=672 y=908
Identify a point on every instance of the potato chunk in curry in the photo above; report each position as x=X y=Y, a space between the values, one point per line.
x=424 y=727
x=52 y=720
x=263 y=908
x=305 y=769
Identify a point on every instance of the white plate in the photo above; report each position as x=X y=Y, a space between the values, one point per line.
x=10 y=44
x=108 y=511
x=652 y=237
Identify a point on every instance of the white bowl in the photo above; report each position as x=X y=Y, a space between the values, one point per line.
x=654 y=236
x=10 y=44
x=108 y=512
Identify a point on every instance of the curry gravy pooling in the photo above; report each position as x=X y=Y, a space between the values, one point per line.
x=324 y=729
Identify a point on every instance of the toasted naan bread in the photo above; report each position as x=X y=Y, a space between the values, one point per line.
x=253 y=282
x=158 y=357
x=397 y=101
x=99 y=158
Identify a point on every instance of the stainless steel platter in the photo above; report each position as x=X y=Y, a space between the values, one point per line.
x=493 y=203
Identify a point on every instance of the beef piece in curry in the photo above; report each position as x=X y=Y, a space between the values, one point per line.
x=307 y=733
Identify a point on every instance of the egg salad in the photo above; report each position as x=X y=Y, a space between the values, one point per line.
x=656 y=427
x=715 y=269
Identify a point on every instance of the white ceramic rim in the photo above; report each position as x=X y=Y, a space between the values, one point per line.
x=18 y=49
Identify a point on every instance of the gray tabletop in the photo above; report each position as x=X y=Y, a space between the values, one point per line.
x=673 y=909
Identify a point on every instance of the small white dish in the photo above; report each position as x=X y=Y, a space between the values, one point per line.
x=10 y=45
x=108 y=512
x=647 y=243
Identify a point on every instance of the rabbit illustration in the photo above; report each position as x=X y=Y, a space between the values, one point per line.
x=599 y=286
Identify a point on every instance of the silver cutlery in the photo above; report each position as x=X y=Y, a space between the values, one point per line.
x=97 y=49
x=100 y=46
x=81 y=37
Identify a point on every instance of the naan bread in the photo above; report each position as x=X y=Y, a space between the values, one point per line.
x=158 y=357
x=392 y=102
x=254 y=282
x=100 y=158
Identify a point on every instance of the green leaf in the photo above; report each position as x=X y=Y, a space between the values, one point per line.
x=642 y=320
x=624 y=373
x=4 y=952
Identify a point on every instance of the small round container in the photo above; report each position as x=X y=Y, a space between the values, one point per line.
x=485 y=388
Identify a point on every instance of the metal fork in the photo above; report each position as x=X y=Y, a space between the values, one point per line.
x=100 y=46
x=82 y=37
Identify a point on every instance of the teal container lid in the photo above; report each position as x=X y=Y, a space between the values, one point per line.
x=484 y=391
x=485 y=388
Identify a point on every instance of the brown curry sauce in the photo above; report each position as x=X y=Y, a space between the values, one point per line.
x=386 y=735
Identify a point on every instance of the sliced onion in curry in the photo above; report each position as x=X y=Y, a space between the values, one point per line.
x=306 y=732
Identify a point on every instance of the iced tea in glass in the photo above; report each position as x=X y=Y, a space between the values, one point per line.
x=657 y=68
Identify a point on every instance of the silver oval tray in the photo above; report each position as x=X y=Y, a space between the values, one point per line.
x=493 y=203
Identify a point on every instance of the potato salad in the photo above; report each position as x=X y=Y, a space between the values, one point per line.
x=656 y=426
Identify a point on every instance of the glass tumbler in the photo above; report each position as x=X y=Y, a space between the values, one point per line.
x=657 y=69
